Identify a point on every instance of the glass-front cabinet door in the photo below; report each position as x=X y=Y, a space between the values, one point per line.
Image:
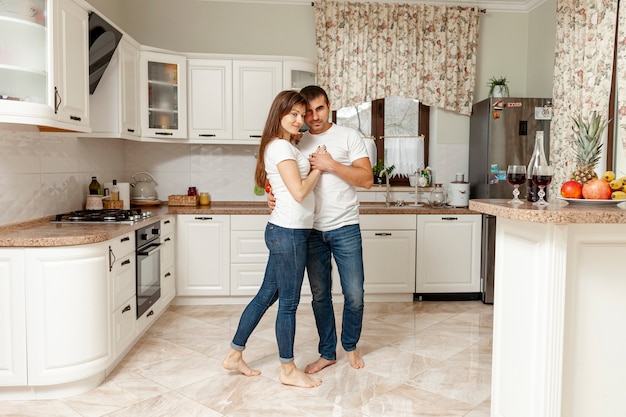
x=24 y=59
x=163 y=99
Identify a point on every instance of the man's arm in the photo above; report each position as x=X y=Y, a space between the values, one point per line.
x=358 y=174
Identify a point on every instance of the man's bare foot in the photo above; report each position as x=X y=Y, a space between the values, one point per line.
x=291 y=375
x=234 y=362
x=317 y=366
x=356 y=361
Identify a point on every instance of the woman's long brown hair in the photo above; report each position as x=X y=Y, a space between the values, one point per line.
x=281 y=106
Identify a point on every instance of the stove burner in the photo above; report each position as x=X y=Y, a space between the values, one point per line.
x=101 y=216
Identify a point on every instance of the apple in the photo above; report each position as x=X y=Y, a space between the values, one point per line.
x=572 y=189
x=597 y=189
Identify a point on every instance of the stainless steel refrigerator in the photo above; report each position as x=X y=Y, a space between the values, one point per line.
x=502 y=133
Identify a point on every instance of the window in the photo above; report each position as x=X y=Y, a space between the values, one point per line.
x=393 y=122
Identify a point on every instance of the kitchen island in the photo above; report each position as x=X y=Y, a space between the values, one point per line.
x=558 y=341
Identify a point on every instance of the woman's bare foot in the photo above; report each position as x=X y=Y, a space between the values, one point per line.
x=356 y=361
x=291 y=375
x=317 y=366
x=234 y=362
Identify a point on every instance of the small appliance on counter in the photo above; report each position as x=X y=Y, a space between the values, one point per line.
x=143 y=191
x=459 y=192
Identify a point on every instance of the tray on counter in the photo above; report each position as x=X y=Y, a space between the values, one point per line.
x=182 y=200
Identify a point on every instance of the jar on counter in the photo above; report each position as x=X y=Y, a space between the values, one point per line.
x=438 y=196
x=192 y=191
x=205 y=199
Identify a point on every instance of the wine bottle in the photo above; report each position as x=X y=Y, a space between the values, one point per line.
x=538 y=158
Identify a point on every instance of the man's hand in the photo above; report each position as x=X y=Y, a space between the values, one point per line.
x=271 y=200
x=322 y=160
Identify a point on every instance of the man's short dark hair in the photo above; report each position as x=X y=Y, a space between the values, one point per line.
x=312 y=92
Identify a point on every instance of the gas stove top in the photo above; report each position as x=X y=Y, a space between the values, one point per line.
x=102 y=216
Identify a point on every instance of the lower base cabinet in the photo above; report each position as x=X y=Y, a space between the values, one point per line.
x=448 y=253
x=388 y=253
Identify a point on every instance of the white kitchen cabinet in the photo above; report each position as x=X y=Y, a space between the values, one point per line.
x=210 y=97
x=114 y=104
x=255 y=85
x=13 y=369
x=68 y=313
x=448 y=253
x=71 y=52
x=248 y=253
x=168 y=259
x=122 y=272
x=203 y=255
x=44 y=67
x=388 y=253
x=298 y=73
x=163 y=95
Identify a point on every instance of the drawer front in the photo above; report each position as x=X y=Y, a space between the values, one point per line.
x=123 y=245
x=168 y=226
x=248 y=247
x=249 y=221
x=388 y=221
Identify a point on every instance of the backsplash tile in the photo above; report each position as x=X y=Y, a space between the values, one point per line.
x=46 y=174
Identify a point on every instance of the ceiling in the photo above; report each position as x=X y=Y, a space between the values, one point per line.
x=509 y=6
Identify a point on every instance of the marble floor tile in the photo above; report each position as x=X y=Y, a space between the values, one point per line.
x=422 y=358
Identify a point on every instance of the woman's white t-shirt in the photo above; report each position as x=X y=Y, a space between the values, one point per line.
x=288 y=212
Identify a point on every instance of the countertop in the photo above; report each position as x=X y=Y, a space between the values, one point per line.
x=555 y=212
x=42 y=233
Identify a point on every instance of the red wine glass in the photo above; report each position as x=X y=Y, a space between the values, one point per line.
x=516 y=176
x=542 y=176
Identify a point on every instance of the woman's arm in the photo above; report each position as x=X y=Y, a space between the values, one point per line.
x=298 y=188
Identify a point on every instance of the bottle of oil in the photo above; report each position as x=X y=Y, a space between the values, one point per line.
x=115 y=191
x=94 y=187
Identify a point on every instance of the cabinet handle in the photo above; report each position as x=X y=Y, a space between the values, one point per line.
x=150 y=313
x=164 y=133
x=206 y=135
x=127 y=308
x=57 y=100
x=167 y=239
x=168 y=275
x=203 y=218
x=166 y=222
x=382 y=234
x=126 y=262
x=255 y=136
x=111 y=259
x=130 y=130
x=125 y=239
x=76 y=118
x=449 y=218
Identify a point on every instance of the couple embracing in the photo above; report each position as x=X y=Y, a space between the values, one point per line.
x=315 y=215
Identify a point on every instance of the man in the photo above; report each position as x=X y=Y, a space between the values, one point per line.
x=336 y=230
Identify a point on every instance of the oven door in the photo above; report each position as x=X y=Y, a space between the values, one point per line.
x=148 y=276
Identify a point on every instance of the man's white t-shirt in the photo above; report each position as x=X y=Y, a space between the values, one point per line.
x=336 y=202
x=288 y=212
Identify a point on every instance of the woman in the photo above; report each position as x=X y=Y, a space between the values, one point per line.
x=286 y=233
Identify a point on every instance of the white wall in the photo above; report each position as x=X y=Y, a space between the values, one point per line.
x=42 y=175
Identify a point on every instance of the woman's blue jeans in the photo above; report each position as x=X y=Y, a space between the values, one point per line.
x=282 y=281
x=345 y=245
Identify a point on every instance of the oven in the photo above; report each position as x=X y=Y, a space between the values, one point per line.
x=148 y=266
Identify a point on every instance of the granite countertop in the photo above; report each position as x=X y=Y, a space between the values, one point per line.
x=555 y=212
x=42 y=233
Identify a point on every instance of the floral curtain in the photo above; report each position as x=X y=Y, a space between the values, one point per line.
x=585 y=34
x=621 y=76
x=373 y=50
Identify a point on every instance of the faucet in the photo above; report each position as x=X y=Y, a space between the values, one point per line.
x=387 y=195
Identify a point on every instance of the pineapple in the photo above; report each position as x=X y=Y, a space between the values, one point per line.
x=588 y=146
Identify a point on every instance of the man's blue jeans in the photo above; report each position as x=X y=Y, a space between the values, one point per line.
x=345 y=246
x=282 y=281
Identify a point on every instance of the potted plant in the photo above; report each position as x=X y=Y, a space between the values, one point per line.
x=379 y=168
x=498 y=87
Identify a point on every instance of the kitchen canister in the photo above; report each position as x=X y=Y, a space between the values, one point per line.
x=458 y=192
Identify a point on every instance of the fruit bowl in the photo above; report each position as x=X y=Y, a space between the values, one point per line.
x=590 y=201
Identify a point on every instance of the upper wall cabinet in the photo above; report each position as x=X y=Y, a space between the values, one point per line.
x=297 y=74
x=162 y=94
x=255 y=84
x=44 y=79
x=210 y=98
x=115 y=102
